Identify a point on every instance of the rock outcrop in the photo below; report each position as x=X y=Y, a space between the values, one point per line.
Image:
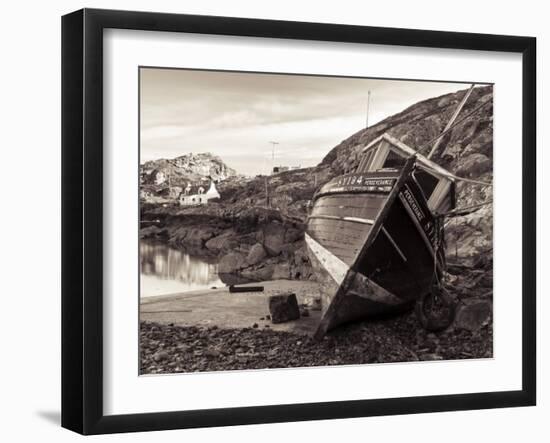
x=184 y=169
x=248 y=219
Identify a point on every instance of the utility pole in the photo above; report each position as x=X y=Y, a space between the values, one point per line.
x=267 y=202
x=368 y=106
x=267 y=199
x=273 y=144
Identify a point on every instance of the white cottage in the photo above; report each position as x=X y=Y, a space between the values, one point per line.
x=189 y=198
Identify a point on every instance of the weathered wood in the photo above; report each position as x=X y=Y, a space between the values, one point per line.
x=233 y=288
x=326 y=321
x=379 y=230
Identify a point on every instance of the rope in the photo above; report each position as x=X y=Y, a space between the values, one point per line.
x=469 y=180
x=461 y=211
x=477 y=108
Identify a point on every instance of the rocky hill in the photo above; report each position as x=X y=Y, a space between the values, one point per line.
x=266 y=243
x=467 y=151
x=180 y=170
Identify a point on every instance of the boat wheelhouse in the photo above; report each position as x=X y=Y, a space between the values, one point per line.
x=374 y=236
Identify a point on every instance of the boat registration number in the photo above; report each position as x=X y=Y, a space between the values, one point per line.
x=360 y=182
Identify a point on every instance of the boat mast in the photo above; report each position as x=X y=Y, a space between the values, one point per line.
x=368 y=107
x=452 y=119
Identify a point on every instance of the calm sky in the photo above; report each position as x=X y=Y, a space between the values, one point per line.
x=236 y=115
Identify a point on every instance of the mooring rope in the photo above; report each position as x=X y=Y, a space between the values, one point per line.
x=469 y=180
x=428 y=143
x=461 y=211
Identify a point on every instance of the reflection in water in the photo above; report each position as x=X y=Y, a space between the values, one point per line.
x=164 y=270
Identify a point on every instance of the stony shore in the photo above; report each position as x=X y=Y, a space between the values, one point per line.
x=172 y=349
x=194 y=332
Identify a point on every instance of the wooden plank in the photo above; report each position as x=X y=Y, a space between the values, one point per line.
x=330 y=225
x=366 y=288
x=346 y=238
x=335 y=267
x=361 y=220
x=341 y=292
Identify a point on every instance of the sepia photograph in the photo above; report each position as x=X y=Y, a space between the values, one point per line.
x=291 y=220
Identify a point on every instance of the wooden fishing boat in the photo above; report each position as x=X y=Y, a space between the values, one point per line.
x=374 y=236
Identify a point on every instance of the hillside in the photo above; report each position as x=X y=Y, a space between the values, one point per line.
x=180 y=170
x=262 y=243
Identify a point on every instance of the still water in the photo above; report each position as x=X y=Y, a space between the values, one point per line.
x=164 y=270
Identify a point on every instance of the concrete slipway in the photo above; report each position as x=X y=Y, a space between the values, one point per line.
x=218 y=307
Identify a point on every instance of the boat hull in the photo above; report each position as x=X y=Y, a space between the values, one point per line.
x=373 y=250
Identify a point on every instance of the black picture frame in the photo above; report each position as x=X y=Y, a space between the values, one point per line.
x=82 y=218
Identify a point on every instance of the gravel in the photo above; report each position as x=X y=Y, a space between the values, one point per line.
x=172 y=349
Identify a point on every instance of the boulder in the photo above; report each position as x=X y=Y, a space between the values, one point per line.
x=199 y=236
x=283 y=308
x=281 y=271
x=274 y=238
x=231 y=263
x=293 y=234
x=224 y=242
x=161 y=356
x=150 y=231
x=256 y=254
x=474 y=165
x=474 y=316
x=261 y=273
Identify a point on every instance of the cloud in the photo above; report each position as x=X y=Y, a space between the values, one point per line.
x=235 y=115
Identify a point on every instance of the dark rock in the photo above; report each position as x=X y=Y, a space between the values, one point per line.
x=231 y=263
x=293 y=234
x=198 y=236
x=256 y=254
x=475 y=165
x=255 y=325
x=161 y=356
x=474 y=316
x=274 y=238
x=283 y=308
x=259 y=273
x=150 y=232
x=212 y=353
x=224 y=242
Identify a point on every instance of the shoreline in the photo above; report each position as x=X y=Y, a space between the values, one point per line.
x=214 y=330
x=211 y=307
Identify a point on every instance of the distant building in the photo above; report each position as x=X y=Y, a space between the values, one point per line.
x=279 y=169
x=196 y=196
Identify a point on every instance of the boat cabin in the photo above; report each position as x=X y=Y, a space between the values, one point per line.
x=388 y=153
